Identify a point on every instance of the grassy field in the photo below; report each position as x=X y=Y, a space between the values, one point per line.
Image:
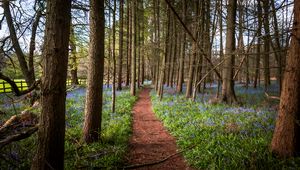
x=22 y=85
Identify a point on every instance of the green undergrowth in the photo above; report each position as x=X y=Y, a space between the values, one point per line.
x=7 y=85
x=105 y=154
x=221 y=136
x=116 y=129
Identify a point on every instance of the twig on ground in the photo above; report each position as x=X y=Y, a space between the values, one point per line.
x=272 y=97
x=158 y=161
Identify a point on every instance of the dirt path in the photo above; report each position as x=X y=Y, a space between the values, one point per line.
x=150 y=140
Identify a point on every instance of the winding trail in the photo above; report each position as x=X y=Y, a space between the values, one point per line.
x=150 y=141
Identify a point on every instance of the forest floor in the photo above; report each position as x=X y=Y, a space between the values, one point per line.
x=151 y=143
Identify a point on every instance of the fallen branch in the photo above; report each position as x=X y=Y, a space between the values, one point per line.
x=19 y=136
x=158 y=161
x=203 y=78
x=272 y=97
x=18 y=127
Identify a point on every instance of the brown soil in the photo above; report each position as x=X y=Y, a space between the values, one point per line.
x=150 y=141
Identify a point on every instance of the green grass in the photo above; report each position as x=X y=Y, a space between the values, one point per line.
x=223 y=136
x=116 y=129
x=8 y=87
x=24 y=84
x=105 y=154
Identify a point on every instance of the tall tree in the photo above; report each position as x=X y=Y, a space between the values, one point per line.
x=109 y=50
x=51 y=133
x=157 y=41
x=27 y=68
x=133 y=48
x=286 y=137
x=182 y=50
x=129 y=41
x=162 y=76
x=120 y=60
x=73 y=57
x=278 y=55
x=193 y=58
x=93 y=103
x=257 y=57
x=221 y=40
x=267 y=41
x=142 y=42
x=138 y=38
x=228 y=94
x=113 y=103
x=174 y=52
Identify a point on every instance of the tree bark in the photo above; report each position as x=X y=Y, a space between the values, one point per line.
x=189 y=84
x=221 y=42
x=143 y=43
x=174 y=53
x=128 y=45
x=120 y=61
x=286 y=137
x=164 y=59
x=228 y=94
x=267 y=41
x=182 y=52
x=113 y=101
x=73 y=62
x=109 y=50
x=133 y=45
x=93 y=103
x=157 y=41
x=278 y=46
x=257 y=57
x=51 y=133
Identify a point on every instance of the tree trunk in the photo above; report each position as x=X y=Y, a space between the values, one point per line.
x=27 y=70
x=189 y=86
x=133 y=56
x=174 y=53
x=257 y=57
x=93 y=103
x=182 y=54
x=120 y=61
x=240 y=47
x=138 y=44
x=109 y=51
x=142 y=42
x=157 y=40
x=228 y=94
x=113 y=95
x=128 y=44
x=286 y=137
x=278 y=46
x=73 y=62
x=221 y=42
x=51 y=133
x=267 y=41
x=164 y=60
